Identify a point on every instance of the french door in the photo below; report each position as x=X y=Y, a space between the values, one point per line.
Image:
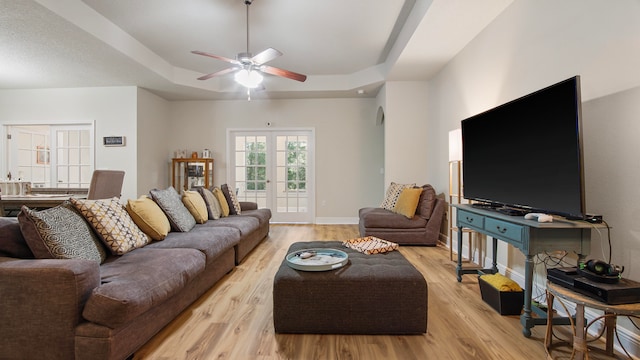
x=275 y=170
x=59 y=156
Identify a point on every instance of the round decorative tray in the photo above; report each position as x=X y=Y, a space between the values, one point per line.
x=317 y=259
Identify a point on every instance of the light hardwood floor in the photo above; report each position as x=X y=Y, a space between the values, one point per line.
x=234 y=319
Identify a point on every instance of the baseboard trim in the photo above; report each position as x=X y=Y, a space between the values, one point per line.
x=337 y=220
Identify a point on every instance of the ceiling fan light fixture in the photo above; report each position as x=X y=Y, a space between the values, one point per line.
x=249 y=78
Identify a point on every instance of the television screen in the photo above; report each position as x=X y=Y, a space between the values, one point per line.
x=527 y=154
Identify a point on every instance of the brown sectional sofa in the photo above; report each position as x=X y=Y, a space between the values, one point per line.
x=422 y=229
x=66 y=309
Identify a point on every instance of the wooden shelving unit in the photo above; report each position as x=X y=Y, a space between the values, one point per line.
x=188 y=173
x=456 y=197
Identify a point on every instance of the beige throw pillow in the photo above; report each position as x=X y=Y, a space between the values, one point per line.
x=393 y=192
x=112 y=223
x=213 y=205
x=222 y=200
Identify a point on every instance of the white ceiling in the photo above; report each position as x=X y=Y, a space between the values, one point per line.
x=341 y=45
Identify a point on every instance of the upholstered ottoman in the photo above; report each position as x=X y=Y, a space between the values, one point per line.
x=371 y=294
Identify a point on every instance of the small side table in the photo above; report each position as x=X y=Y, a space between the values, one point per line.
x=579 y=328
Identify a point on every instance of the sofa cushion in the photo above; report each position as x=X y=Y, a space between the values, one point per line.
x=211 y=241
x=196 y=206
x=427 y=202
x=385 y=219
x=213 y=205
x=112 y=223
x=138 y=281
x=224 y=206
x=170 y=202
x=60 y=233
x=263 y=215
x=149 y=217
x=408 y=202
x=12 y=243
x=393 y=192
x=246 y=224
x=232 y=200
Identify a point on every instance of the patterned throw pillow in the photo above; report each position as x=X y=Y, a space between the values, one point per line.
x=393 y=192
x=60 y=233
x=213 y=206
x=113 y=224
x=232 y=200
x=224 y=206
x=196 y=206
x=170 y=202
x=149 y=217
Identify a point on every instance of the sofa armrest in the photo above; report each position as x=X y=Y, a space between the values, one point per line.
x=41 y=305
x=248 y=205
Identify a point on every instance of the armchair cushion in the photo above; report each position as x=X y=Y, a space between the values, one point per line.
x=427 y=202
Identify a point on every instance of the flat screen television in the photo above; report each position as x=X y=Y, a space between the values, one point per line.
x=526 y=154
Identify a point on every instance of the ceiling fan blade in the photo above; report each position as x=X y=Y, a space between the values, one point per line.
x=283 y=73
x=233 y=61
x=266 y=56
x=217 y=73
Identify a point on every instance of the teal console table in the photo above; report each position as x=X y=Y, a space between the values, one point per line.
x=528 y=236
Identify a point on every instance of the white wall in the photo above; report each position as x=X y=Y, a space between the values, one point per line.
x=154 y=156
x=112 y=109
x=406 y=132
x=348 y=143
x=533 y=44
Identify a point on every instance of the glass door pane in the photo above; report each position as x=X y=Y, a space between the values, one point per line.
x=272 y=169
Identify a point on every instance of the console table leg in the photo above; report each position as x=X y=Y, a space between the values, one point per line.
x=495 y=256
x=525 y=319
x=459 y=266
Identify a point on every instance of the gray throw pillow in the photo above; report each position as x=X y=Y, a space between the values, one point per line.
x=60 y=233
x=213 y=206
x=171 y=203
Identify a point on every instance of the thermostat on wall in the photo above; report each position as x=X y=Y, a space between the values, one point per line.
x=113 y=141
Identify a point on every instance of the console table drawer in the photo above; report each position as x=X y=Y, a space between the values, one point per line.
x=470 y=219
x=504 y=230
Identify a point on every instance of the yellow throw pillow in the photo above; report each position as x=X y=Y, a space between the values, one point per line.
x=222 y=200
x=149 y=217
x=196 y=206
x=408 y=202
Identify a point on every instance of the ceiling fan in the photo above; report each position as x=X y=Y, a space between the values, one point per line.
x=248 y=67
